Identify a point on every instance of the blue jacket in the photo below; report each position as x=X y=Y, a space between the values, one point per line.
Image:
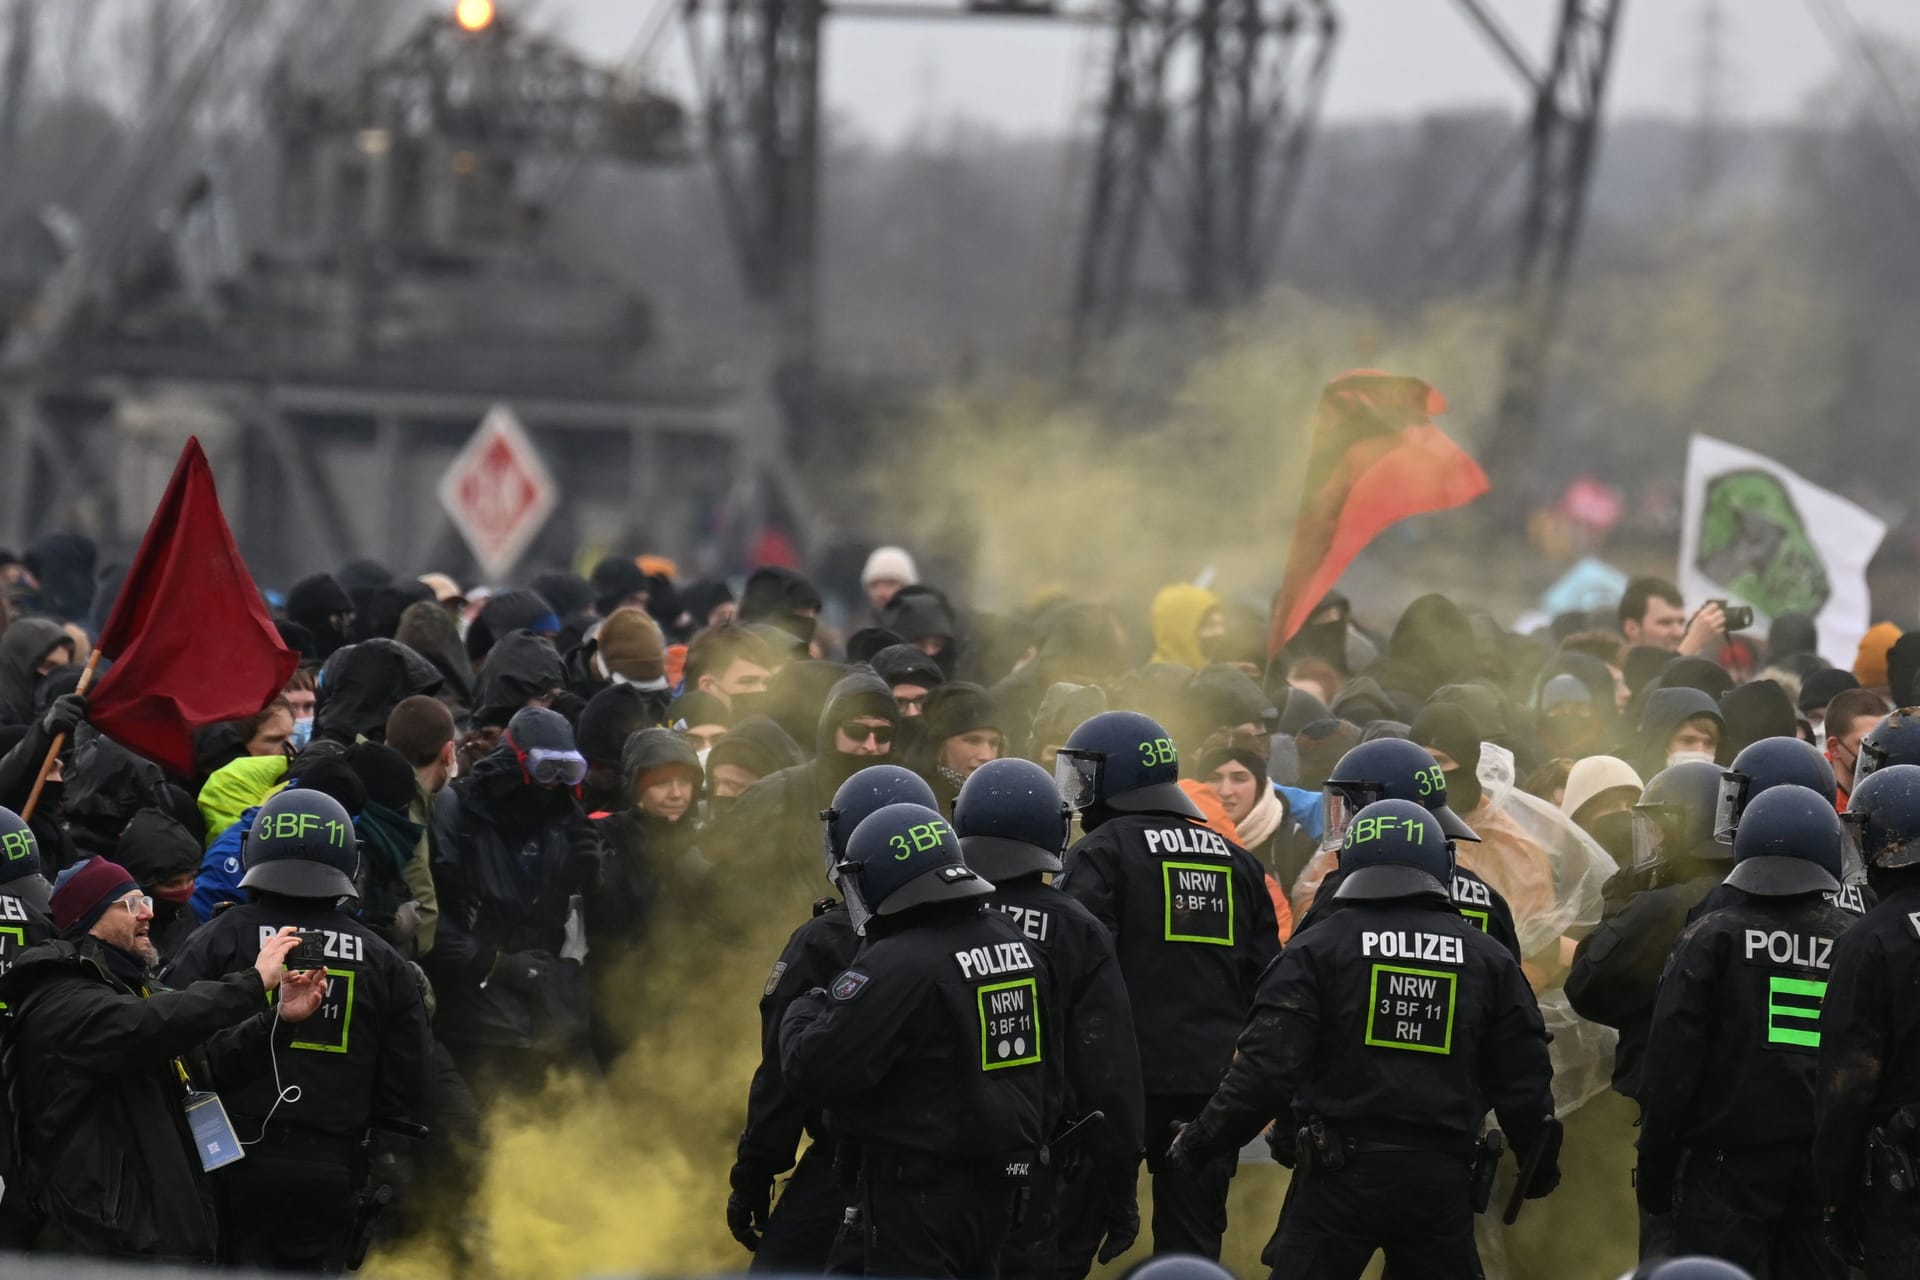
x=220 y=869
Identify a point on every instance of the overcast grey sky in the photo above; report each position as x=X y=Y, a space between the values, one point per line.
x=1395 y=58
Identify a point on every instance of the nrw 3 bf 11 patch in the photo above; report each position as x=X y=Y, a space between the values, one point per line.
x=850 y=984
x=1009 y=1024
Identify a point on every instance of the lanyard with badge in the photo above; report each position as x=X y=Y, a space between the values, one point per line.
x=214 y=1139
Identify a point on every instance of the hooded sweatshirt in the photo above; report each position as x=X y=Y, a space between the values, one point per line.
x=519 y=668
x=919 y=613
x=23 y=647
x=1666 y=711
x=364 y=683
x=314 y=603
x=1176 y=615
x=1433 y=644
x=430 y=631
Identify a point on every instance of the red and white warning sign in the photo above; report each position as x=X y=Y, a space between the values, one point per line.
x=498 y=492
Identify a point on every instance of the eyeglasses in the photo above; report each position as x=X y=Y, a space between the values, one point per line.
x=136 y=904
x=858 y=732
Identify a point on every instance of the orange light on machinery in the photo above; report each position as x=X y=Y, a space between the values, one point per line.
x=473 y=15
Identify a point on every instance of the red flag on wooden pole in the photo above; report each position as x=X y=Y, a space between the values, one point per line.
x=1377 y=459
x=190 y=639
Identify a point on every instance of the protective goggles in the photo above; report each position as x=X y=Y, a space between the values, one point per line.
x=551 y=768
x=1340 y=801
x=1077 y=774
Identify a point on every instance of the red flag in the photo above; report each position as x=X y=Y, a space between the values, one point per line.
x=190 y=639
x=1377 y=459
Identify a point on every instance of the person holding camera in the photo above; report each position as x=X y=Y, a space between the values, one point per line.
x=102 y=1064
x=354 y=1085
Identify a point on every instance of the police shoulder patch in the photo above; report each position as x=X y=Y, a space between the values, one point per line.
x=773 y=979
x=849 y=984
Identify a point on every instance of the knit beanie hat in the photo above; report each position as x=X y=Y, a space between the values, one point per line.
x=1870 y=662
x=890 y=564
x=87 y=892
x=632 y=648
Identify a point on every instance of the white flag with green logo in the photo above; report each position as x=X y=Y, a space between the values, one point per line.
x=1754 y=532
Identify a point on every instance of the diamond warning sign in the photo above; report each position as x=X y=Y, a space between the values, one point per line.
x=498 y=492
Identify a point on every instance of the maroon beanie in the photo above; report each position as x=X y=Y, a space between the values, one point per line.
x=86 y=894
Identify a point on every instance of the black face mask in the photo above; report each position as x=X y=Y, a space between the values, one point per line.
x=1614 y=833
x=1463 y=791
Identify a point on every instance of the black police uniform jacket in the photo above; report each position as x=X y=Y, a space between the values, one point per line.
x=1101 y=1052
x=364 y=1058
x=816 y=953
x=101 y=1129
x=939 y=1040
x=1616 y=968
x=1194 y=929
x=1394 y=1022
x=1869 y=1036
x=1736 y=1031
x=1478 y=902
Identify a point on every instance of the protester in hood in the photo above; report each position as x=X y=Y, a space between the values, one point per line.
x=433 y=633
x=910 y=673
x=1759 y=709
x=626 y=647
x=1180 y=612
x=323 y=607
x=163 y=857
x=1223 y=697
x=1433 y=644
x=105 y=785
x=770 y=838
x=1697 y=673
x=924 y=617
x=53 y=843
x=1362 y=701
x=1817 y=690
x=1870 y=662
x=733 y=665
x=362 y=684
x=959 y=732
x=1792 y=633
x=700 y=719
x=615 y=714
x=97 y=1052
x=1240 y=643
x=1851 y=716
x=505 y=613
x=510 y=843
x=1642 y=666
x=521 y=670
x=421 y=731
x=708 y=604
x=1064 y=708
x=378 y=610
x=29 y=649
x=887 y=570
x=753 y=748
x=781 y=598
x=1678 y=725
x=1600 y=795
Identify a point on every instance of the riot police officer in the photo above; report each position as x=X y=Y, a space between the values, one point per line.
x=935 y=1051
x=25 y=900
x=361 y=1064
x=1782 y=762
x=797 y=1235
x=1395 y=769
x=1895 y=740
x=1013 y=827
x=1194 y=930
x=1727 y=1094
x=1676 y=862
x=1870 y=1041
x=1385 y=1033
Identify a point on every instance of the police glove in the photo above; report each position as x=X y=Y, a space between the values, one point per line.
x=68 y=712
x=749 y=1207
x=1186 y=1152
x=523 y=971
x=1122 y=1220
x=1283 y=1143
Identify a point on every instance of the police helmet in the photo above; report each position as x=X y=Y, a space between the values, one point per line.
x=1770 y=762
x=867 y=792
x=1883 y=814
x=1895 y=740
x=1126 y=762
x=1177 y=1266
x=1676 y=815
x=1394 y=849
x=902 y=856
x=1011 y=820
x=302 y=845
x=1386 y=769
x=1793 y=844
x=1689 y=1268
x=20 y=872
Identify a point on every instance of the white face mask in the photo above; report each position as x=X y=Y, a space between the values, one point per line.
x=1688 y=757
x=701 y=756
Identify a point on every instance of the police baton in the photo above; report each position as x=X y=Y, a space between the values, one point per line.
x=1546 y=1142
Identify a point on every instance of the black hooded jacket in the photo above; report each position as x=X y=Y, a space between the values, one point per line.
x=23 y=647
x=63 y=563
x=314 y=603
x=1666 y=711
x=508 y=612
x=776 y=596
x=364 y=684
x=919 y=613
x=430 y=631
x=1433 y=644
x=520 y=667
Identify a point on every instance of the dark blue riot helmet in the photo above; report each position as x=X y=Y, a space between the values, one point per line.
x=1768 y=763
x=1386 y=769
x=865 y=793
x=1394 y=849
x=1883 y=815
x=1895 y=740
x=1177 y=1266
x=1692 y=1268
x=1790 y=842
x=903 y=856
x=1011 y=820
x=302 y=845
x=1123 y=761
x=1676 y=815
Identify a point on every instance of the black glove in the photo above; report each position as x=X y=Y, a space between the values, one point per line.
x=748 y=1207
x=1185 y=1152
x=1122 y=1220
x=1283 y=1143
x=68 y=712
x=522 y=971
x=1546 y=1173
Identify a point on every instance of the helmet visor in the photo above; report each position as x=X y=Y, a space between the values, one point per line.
x=828 y=819
x=1733 y=802
x=846 y=878
x=1870 y=758
x=1077 y=774
x=1340 y=801
x=1653 y=834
